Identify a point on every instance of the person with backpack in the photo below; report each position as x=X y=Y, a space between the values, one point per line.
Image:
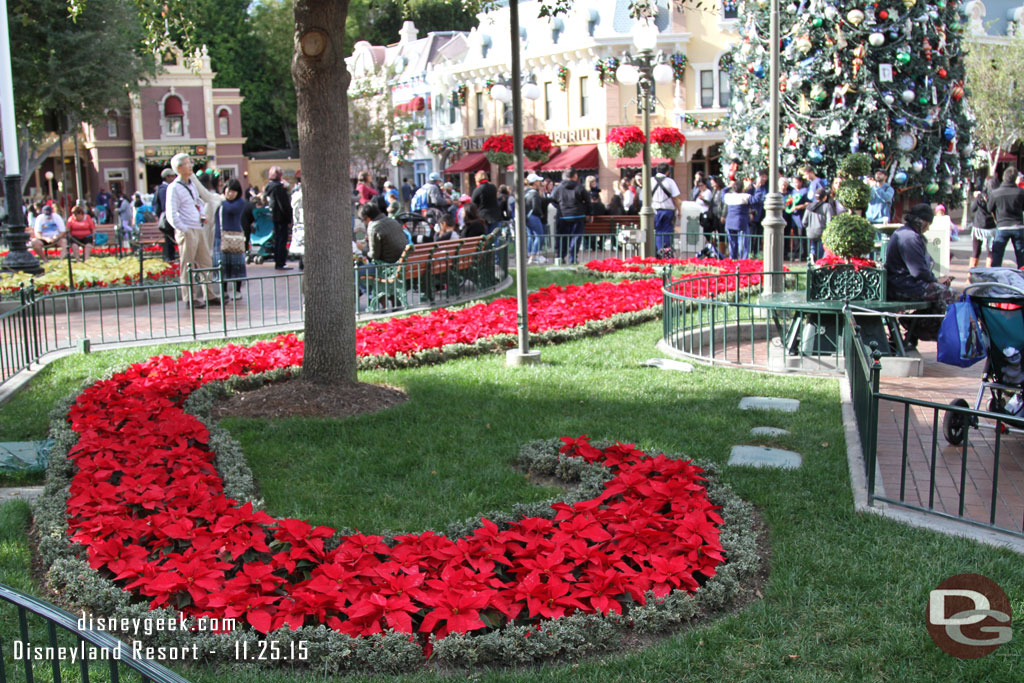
x=983 y=225
x=573 y=207
x=666 y=200
x=536 y=212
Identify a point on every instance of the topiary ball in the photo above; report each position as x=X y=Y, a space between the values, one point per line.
x=849 y=235
x=855 y=165
x=854 y=194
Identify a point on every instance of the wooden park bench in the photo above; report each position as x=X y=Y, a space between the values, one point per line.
x=609 y=225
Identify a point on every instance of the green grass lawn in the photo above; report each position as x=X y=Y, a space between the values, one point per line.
x=846 y=596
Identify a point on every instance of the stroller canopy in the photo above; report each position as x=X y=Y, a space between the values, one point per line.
x=995 y=277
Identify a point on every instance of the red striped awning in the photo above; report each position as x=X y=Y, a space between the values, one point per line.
x=470 y=163
x=415 y=104
x=576 y=156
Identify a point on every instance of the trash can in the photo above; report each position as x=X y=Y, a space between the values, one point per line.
x=690 y=225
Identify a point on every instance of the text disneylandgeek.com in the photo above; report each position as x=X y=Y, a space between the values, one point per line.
x=244 y=650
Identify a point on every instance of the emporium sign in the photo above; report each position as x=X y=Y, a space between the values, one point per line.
x=558 y=137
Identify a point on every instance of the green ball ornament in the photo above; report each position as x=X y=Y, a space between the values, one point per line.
x=923 y=99
x=932 y=188
x=903 y=57
x=816 y=22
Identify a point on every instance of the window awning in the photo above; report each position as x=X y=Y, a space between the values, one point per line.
x=470 y=163
x=638 y=162
x=172 y=107
x=537 y=165
x=415 y=104
x=576 y=156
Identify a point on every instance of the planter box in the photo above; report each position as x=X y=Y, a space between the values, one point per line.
x=845 y=283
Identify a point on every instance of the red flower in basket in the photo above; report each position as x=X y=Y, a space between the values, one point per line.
x=667 y=142
x=625 y=141
x=499 y=150
x=537 y=147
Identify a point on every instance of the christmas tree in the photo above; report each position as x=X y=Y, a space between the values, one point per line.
x=884 y=78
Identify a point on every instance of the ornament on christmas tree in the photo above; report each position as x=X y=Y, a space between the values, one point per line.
x=917 y=166
x=883 y=14
x=903 y=57
x=932 y=188
x=900 y=178
x=927 y=49
x=814 y=155
x=816 y=22
x=858 y=58
x=908 y=96
x=855 y=143
x=906 y=142
x=855 y=17
x=831 y=12
x=804 y=44
x=950 y=132
x=888 y=98
x=759 y=70
x=876 y=39
x=792 y=136
x=943 y=73
x=909 y=3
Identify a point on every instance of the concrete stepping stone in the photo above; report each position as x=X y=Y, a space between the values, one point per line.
x=668 y=364
x=17 y=456
x=26 y=493
x=759 y=456
x=769 y=431
x=783 y=405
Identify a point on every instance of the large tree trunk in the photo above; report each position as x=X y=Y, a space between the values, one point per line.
x=321 y=87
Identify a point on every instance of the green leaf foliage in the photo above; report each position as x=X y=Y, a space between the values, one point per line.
x=854 y=194
x=855 y=165
x=848 y=235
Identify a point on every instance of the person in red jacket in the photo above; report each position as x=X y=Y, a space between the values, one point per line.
x=82 y=229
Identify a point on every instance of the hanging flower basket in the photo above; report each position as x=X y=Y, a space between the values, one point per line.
x=498 y=149
x=537 y=147
x=666 y=143
x=625 y=141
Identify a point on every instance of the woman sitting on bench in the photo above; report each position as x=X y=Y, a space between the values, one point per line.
x=82 y=229
x=908 y=269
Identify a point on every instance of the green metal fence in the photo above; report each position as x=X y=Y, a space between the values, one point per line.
x=34 y=324
x=29 y=652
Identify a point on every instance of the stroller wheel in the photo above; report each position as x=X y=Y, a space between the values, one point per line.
x=953 y=423
x=257 y=260
x=996 y=404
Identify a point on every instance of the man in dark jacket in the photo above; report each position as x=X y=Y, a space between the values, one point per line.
x=485 y=196
x=1007 y=206
x=384 y=235
x=159 y=207
x=280 y=204
x=573 y=208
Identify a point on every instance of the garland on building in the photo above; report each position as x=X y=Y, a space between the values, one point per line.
x=438 y=147
x=704 y=124
x=460 y=94
x=886 y=79
x=563 y=78
x=606 y=70
x=679 y=62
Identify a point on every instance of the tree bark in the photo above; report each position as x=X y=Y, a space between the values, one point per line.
x=321 y=88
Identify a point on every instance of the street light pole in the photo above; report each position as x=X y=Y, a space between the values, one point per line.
x=773 y=220
x=647 y=211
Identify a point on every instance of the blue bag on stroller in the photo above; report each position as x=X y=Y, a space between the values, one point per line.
x=962 y=339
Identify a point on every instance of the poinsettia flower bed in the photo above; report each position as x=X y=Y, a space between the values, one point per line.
x=94 y=273
x=692 y=266
x=148 y=506
x=829 y=260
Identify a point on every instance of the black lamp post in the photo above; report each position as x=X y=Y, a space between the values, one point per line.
x=645 y=68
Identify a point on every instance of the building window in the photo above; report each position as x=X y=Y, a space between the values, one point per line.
x=223 y=122
x=506 y=114
x=479 y=110
x=174 y=116
x=724 y=88
x=111 y=126
x=547 y=101
x=584 y=100
x=707 y=89
x=452 y=110
x=730 y=9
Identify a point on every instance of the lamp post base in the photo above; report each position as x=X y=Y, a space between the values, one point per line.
x=516 y=358
x=19 y=257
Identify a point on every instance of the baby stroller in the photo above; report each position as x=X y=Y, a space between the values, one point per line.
x=261 y=239
x=998 y=298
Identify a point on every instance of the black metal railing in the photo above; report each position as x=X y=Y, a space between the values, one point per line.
x=949 y=471
x=34 y=324
x=89 y=646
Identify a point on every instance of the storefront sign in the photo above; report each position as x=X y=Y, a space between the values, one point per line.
x=165 y=152
x=558 y=137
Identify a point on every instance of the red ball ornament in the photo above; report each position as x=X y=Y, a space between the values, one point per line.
x=957 y=92
x=942 y=73
x=750 y=68
x=883 y=15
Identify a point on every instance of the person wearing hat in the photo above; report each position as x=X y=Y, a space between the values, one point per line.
x=909 y=276
x=160 y=206
x=48 y=232
x=433 y=194
x=536 y=212
x=390 y=193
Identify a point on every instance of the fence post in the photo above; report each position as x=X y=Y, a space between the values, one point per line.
x=190 y=279
x=71 y=275
x=871 y=441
